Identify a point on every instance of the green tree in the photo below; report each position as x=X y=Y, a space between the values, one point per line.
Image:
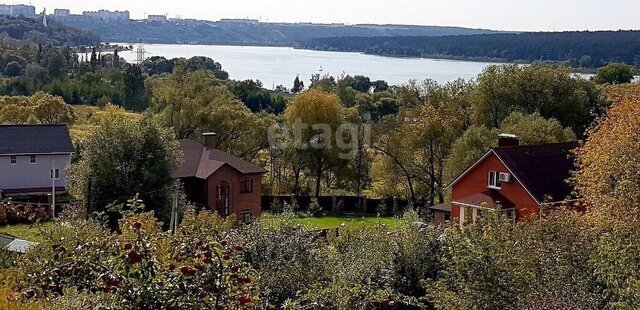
x=298 y=86
x=314 y=117
x=123 y=157
x=135 y=93
x=54 y=61
x=13 y=69
x=551 y=91
x=586 y=61
x=195 y=102
x=614 y=73
x=535 y=129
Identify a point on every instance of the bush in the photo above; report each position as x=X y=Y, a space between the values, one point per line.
x=314 y=207
x=143 y=268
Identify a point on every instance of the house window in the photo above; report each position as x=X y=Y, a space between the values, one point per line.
x=55 y=174
x=223 y=199
x=32 y=159
x=14 y=160
x=494 y=180
x=447 y=217
x=246 y=217
x=246 y=186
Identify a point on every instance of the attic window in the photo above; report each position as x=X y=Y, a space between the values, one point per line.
x=494 y=180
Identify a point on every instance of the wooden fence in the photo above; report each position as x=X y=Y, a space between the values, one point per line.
x=340 y=204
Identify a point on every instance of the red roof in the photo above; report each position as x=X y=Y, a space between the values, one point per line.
x=201 y=162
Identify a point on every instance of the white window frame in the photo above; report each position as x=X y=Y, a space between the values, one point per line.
x=493 y=180
x=13 y=160
x=33 y=159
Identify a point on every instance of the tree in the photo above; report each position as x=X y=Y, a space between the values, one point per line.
x=609 y=162
x=586 y=61
x=535 y=129
x=206 y=63
x=195 y=102
x=614 y=73
x=116 y=59
x=123 y=157
x=135 y=96
x=314 y=117
x=298 y=86
x=553 y=92
x=54 y=61
x=52 y=110
x=13 y=69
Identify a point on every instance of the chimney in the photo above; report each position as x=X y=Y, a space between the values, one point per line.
x=209 y=139
x=506 y=139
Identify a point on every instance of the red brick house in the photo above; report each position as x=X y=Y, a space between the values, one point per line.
x=219 y=181
x=520 y=180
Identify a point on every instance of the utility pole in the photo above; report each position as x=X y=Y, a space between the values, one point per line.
x=53 y=188
x=173 y=223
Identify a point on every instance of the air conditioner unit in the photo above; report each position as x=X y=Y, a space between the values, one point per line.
x=505 y=177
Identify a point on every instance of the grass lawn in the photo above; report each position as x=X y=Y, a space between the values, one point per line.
x=27 y=232
x=328 y=222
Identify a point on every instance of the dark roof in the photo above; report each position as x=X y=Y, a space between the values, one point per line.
x=444 y=207
x=35 y=139
x=489 y=199
x=542 y=169
x=201 y=162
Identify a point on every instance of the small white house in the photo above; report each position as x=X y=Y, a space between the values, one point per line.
x=33 y=158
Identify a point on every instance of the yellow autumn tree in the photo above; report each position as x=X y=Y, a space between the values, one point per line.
x=609 y=162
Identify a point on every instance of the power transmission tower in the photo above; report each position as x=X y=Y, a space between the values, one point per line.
x=140 y=54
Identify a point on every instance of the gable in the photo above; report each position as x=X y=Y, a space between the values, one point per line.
x=542 y=170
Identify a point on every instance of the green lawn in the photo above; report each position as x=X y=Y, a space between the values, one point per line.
x=27 y=232
x=328 y=222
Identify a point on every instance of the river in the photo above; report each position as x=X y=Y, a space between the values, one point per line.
x=280 y=65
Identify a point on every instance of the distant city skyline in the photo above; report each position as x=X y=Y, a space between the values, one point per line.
x=516 y=15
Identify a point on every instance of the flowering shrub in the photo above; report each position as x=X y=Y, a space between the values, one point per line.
x=142 y=268
x=12 y=213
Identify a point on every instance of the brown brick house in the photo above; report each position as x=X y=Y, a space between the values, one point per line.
x=220 y=181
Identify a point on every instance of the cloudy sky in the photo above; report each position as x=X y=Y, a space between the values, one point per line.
x=521 y=15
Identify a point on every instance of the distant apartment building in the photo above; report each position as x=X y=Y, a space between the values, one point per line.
x=61 y=13
x=157 y=18
x=239 y=21
x=107 y=15
x=17 y=10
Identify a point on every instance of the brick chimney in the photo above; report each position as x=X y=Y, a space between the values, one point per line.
x=506 y=139
x=209 y=139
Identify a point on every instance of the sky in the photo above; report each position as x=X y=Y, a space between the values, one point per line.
x=515 y=15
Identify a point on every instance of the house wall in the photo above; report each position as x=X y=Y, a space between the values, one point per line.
x=476 y=181
x=24 y=175
x=440 y=217
x=239 y=202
